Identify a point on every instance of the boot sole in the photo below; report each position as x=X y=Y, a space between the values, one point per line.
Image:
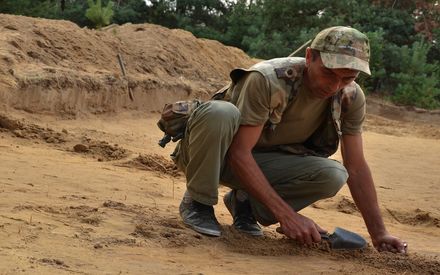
x=204 y=231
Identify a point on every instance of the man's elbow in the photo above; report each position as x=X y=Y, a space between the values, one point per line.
x=235 y=156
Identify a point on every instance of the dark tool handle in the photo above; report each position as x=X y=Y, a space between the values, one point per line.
x=121 y=64
x=325 y=236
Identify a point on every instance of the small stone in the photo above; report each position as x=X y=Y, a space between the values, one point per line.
x=97 y=246
x=64 y=131
x=18 y=133
x=51 y=140
x=80 y=148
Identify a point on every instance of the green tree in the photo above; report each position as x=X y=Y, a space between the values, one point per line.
x=418 y=82
x=202 y=18
x=99 y=15
x=36 y=8
x=161 y=12
x=244 y=25
x=377 y=66
x=133 y=11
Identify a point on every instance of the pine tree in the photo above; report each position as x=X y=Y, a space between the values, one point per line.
x=100 y=16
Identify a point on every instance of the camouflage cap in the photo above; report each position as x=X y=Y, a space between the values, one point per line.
x=343 y=47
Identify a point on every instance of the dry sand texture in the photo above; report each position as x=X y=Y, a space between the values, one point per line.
x=84 y=187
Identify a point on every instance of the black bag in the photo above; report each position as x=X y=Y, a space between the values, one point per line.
x=174 y=118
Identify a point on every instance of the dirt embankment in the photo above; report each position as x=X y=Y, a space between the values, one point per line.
x=55 y=67
x=49 y=66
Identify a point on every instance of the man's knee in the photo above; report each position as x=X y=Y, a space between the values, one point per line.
x=335 y=177
x=218 y=115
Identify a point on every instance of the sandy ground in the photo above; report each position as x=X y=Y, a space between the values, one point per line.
x=101 y=212
x=84 y=187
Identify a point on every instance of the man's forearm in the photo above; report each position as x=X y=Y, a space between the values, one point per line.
x=364 y=194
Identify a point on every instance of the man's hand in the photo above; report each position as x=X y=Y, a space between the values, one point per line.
x=387 y=242
x=302 y=229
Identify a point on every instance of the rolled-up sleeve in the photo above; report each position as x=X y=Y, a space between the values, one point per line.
x=253 y=99
x=353 y=118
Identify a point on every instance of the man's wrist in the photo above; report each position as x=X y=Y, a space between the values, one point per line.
x=378 y=232
x=285 y=212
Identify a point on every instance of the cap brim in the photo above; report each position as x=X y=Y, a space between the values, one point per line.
x=343 y=61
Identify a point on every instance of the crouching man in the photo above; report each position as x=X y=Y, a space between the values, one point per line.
x=268 y=136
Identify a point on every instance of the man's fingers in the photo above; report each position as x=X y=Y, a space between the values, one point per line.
x=315 y=234
x=391 y=248
x=320 y=229
x=394 y=246
x=401 y=247
x=307 y=239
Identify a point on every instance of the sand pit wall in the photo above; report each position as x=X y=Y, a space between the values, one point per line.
x=55 y=67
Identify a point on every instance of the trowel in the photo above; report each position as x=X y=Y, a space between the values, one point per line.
x=344 y=239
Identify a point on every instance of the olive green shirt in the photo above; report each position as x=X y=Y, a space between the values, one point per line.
x=304 y=114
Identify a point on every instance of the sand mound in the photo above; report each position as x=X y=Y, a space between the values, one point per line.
x=56 y=67
x=347 y=206
x=344 y=205
x=415 y=217
x=154 y=162
x=26 y=130
x=100 y=150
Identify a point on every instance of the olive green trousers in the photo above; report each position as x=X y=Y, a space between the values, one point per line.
x=299 y=180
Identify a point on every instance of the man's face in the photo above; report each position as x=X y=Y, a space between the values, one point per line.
x=324 y=82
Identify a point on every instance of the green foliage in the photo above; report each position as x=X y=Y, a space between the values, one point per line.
x=244 y=25
x=434 y=52
x=133 y=11
x=161 y=12
x=418 y=82
x=377 y=60
x=36 y=8
x=99 y=15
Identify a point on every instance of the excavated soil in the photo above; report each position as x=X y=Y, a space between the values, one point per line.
x=84 y=187
x=154 y=162
x=56 y=67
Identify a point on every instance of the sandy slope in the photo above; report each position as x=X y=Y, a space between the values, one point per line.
x=55 y=67
x=110 y=205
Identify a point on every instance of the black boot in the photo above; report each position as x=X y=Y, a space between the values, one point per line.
x=199 y=217
x=241 y=211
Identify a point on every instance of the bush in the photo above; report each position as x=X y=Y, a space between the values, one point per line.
x=417 y=80
x=100 y=16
